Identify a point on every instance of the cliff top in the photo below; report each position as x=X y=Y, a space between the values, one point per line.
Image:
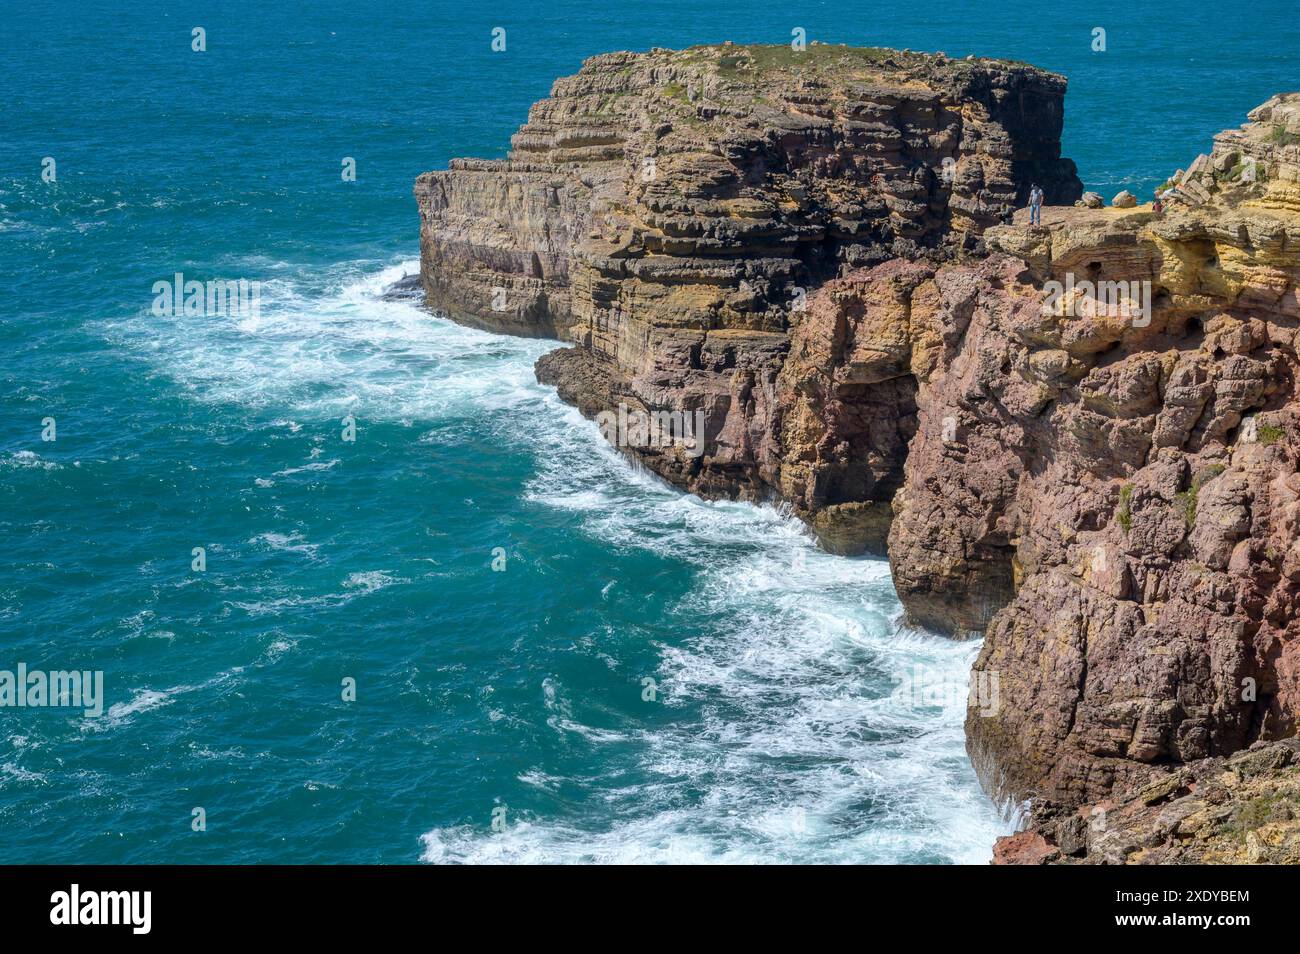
x=687 y=170
x=839 y=60
x=733 y=73
x=722 y=99
x=1244 y=191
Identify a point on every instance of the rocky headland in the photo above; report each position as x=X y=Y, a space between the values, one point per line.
x=1076 y=438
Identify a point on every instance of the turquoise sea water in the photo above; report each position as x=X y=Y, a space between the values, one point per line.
x=777 y=731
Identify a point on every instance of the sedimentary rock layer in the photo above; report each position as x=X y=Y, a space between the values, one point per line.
x=1156 y=515
x=1077 y=438
x=672 y=212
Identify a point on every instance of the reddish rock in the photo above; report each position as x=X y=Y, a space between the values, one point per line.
x=1106 y=488
x=1024 y=848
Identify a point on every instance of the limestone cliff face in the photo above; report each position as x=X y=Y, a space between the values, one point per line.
x=672 y=212
x=1106 y=485
x=1146 y=490
x=1155 y=522
x=1078 y=438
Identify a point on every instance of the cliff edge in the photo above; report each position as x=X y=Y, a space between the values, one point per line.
x=798 y=275
x=672 y=213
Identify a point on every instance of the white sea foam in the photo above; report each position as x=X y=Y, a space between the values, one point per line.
x=14 y=771
x=788 y=740
x=26 y=459
x=145 y=700
x=795 y=742
x=372 y=580
x=802 y=752
x=309 y=468
x=322 y=349
x=287 y=542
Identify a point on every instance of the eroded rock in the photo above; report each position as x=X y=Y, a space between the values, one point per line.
x=674 y=213
x=1078 y=439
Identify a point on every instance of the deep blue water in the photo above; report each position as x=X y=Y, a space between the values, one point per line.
x=777 y=731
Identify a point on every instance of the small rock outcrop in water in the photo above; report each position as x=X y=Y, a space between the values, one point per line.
x=1077 y=438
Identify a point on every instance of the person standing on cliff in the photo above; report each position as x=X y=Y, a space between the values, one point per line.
x=1035 y=205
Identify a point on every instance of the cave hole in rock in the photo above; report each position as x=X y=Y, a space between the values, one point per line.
x=877 y=423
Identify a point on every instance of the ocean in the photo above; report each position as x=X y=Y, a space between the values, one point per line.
x=473 y=632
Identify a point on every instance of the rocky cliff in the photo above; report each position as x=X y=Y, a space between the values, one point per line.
x=1076 y=438
x=672 y=212
x=1155 y=523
